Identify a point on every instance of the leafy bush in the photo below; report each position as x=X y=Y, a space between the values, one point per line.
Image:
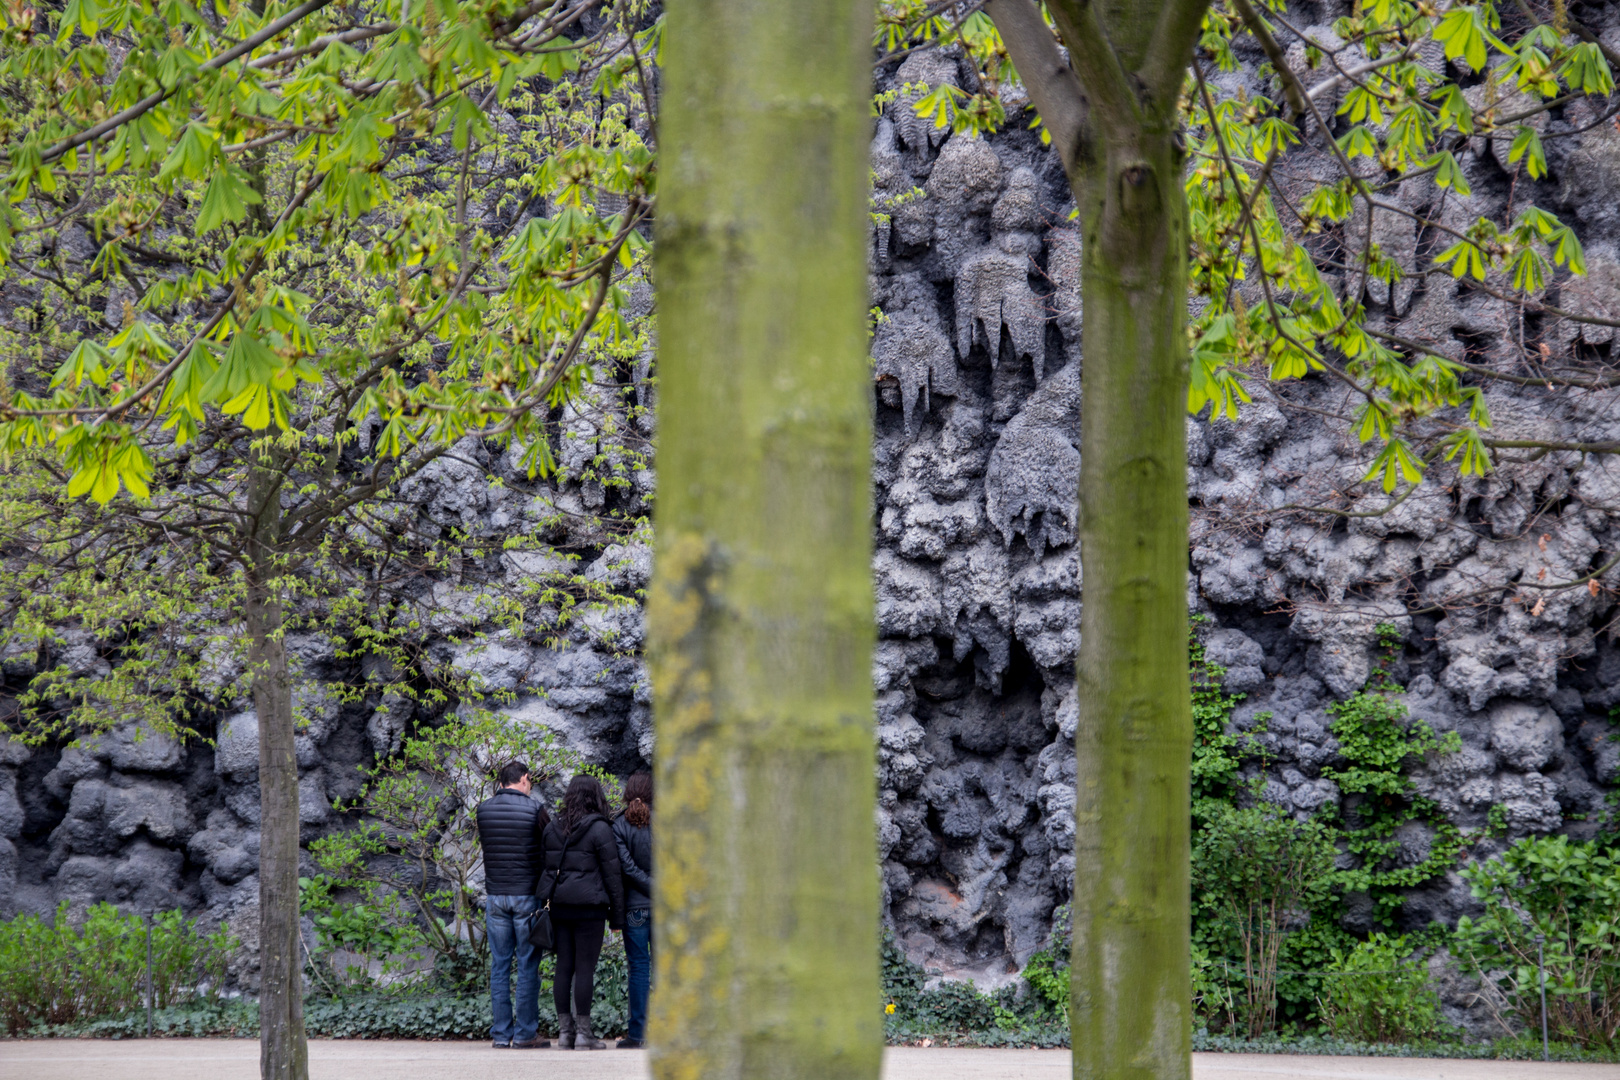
x=956 y=1006
x=353 y=938
x=1381 y=993
x=1257 y=874
x=1568 y=895
x=56 y=972
x=1048 y=976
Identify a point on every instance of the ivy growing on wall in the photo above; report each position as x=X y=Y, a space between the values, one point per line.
x=1291 y=951
x=1379 y=747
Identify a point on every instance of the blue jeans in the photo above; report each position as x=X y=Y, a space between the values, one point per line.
x=506 y=920
x=638 y=954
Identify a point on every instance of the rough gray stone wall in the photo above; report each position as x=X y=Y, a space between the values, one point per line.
x=979 y=582
x=976 y=460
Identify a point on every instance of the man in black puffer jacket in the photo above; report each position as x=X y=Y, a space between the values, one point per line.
x=511 y=827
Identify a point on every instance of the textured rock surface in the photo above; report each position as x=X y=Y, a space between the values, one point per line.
x=979 y=584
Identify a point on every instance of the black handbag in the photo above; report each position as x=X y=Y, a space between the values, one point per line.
x=542 y=935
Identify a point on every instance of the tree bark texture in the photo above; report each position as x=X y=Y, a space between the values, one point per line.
x=1131 y=989
x=761 y=617
x=1111 y=108
x=283 y=1050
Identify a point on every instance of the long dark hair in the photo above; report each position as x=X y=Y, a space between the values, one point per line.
x=583 y=798
x=638 y=793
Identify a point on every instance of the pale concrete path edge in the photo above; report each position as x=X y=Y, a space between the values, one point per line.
x=238 y=1059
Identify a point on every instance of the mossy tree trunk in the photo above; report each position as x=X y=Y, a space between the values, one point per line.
x=1111 y=110
x=283 y=1050
x=760 y=617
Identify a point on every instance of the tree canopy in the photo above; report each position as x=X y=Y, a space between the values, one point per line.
x=209 y=210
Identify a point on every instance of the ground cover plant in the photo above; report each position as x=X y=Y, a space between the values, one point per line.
x=441 y=1006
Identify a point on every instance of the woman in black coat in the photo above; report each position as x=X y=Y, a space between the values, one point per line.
x=582 y=879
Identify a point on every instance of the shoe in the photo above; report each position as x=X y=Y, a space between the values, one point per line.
x=586 y=1040
x=630 y=1044
x=565 y=1032
x=499 y=1045
x=536 y=1043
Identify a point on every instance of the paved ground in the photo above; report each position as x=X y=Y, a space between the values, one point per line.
x=221 y=1059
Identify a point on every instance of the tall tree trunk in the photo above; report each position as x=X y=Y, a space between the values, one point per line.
x=760 y=618
x=1110 y=106
x=1131 y=983
x=283 y=1051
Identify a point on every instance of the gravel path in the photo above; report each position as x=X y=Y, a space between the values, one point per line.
x=225 y=1059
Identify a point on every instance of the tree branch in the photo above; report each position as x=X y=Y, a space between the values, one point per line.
x=1052 y=84
x=1165 y=65
x=1292 y=90
x=1096 y=63
x=152 y=101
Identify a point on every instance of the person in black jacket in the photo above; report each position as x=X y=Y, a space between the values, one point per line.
x=510 y=829
x=582 y=882
x=632 y=831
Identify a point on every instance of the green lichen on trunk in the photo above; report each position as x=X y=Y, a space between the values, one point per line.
x=283 y=1049
x=760 y=617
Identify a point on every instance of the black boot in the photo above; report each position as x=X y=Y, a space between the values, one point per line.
x=565 y=1032
x=586 y=1040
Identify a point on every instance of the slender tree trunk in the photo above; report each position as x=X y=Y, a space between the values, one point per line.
x=283 y=1051
x=761 y=618
x=1132 y=983
x=1110 y=105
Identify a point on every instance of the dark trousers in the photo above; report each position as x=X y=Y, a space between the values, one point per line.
x=579 y=947
x=638 y=955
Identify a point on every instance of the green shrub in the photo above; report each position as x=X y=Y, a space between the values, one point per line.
x=1380 y=992
x=956 y=1006
x=351 y=937
x=1212 y=987
x=1568 y=894
x=57 y=972
x=1048 y=976
x=1257 y=874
